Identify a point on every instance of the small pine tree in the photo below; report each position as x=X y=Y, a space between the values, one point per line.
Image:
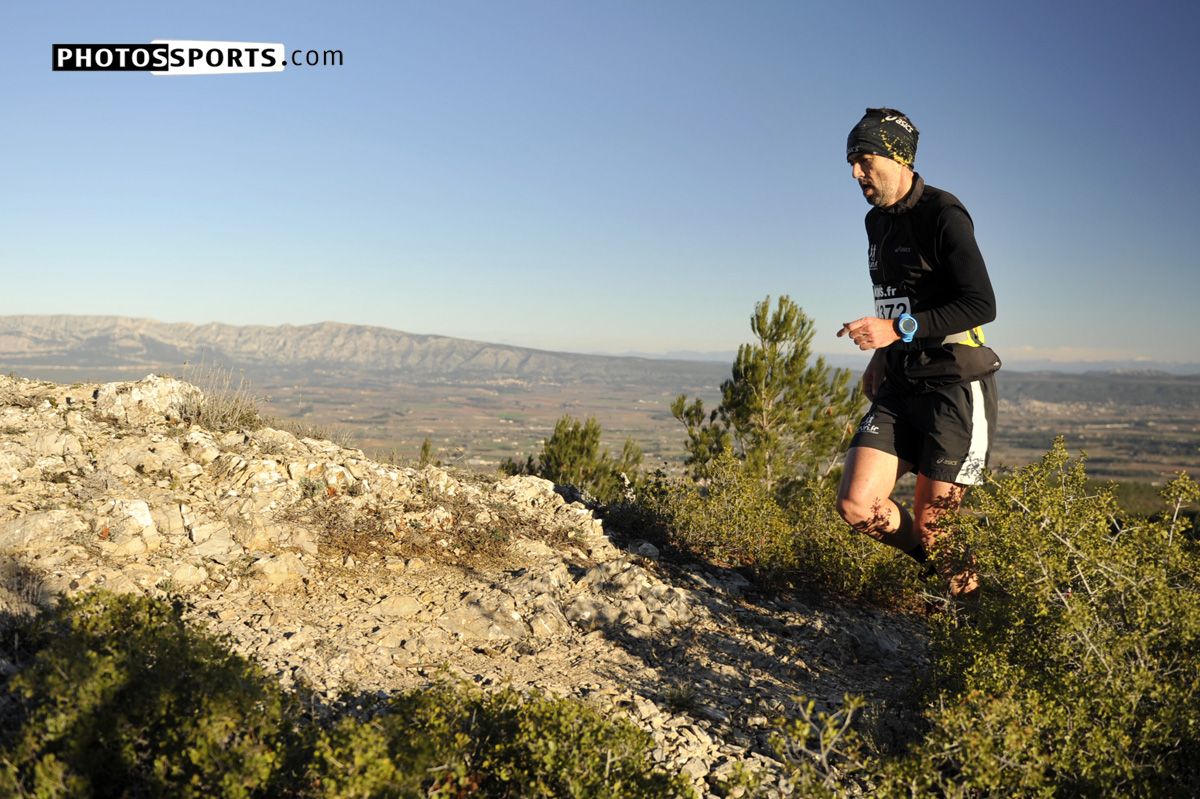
x=706 y=440
x=572 y=456
x=426 y=456
x=788 y=419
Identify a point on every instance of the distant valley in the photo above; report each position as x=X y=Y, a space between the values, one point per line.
x=480 y=402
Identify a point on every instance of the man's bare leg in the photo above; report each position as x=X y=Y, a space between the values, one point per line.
x=864 y=498
x=933 y=500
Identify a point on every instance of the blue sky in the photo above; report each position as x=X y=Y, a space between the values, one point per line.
x=602 y=176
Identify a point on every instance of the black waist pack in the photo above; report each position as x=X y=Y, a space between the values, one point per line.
x=938 y=367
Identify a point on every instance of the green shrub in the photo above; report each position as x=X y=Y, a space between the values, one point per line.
x=1083 y=654
x=734 y=520
x=456 y=741
x=425 y=458
x=1074 y=674
x=119 y=697
x=820 y=752
x=572 y=456
x=831 y=556
x=123 y=698
x=1145 y=500
x=458 y=526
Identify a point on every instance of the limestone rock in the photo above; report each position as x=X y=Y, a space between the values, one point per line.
x=118 y=494
x=153 y=400
x=189 y=575
x=278 y=571
x=39 y=530
x=56 y=443
x=398 y=606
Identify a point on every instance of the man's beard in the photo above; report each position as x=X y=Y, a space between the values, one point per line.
x=878 y=197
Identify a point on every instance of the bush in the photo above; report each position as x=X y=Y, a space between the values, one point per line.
x=465 y=527
x=734 y=520
x=572 y=456
x=834 y=557
x=1073 y=675
x=1082 y=658
x=125 y=699
x=456 y=741
x=119 y=697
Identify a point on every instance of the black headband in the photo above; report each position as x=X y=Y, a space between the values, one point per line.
x=886 y=132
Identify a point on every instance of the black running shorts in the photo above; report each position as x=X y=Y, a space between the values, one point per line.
x=947 y=433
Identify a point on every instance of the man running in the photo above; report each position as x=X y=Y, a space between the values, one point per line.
x=930 y=379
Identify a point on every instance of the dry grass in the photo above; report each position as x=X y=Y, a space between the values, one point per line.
x=226 y=404
x=232 y=404
x=439 y=526
x=301 y=428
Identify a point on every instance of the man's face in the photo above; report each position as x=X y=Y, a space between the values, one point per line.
x=881 y=179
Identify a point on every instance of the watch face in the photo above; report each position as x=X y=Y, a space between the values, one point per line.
x=908 y=325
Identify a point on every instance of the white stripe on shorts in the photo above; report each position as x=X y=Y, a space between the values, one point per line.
x=971 y=473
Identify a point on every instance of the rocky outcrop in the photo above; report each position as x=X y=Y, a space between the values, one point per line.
x=339 y=572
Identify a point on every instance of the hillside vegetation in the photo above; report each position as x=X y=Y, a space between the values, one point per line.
x=671 y=614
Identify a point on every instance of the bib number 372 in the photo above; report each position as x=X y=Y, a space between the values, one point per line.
x=892 y=307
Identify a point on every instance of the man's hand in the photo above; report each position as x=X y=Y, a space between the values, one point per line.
x=870 y=333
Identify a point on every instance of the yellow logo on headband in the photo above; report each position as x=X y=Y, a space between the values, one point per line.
x=897 y=149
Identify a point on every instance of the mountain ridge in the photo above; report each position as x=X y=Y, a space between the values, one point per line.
x=116 y=347
x=113 y=341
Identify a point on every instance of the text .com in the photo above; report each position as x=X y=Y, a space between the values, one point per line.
x=181 y=57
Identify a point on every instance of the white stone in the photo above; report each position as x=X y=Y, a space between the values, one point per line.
x=40 y=530
x=58 y=443
x=646 y=550
x=131 y=526
x=400 y=606
x=152 y=400
x=201 y=445
x=278 y=571
x=189 y=575
x=218 y=547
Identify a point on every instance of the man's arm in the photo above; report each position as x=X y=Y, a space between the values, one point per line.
x=969 y=299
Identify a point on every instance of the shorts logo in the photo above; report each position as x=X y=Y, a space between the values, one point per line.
x=947 y=462
x=868 y=424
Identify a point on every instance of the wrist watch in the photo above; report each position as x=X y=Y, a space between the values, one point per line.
x=906 y=326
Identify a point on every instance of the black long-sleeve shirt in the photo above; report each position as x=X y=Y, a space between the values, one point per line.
x=924 y=261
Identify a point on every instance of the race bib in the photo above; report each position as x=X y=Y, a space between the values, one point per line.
x=889 y=304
